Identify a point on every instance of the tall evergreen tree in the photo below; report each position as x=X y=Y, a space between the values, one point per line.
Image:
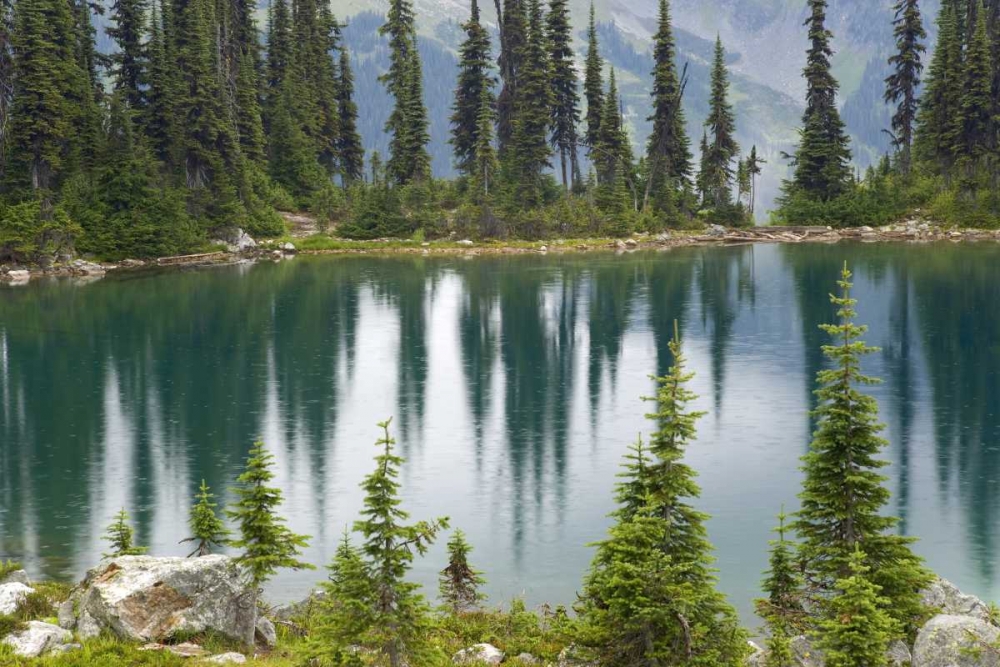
x=513 y=37
x=486 y=166
x=399 y=618
x=593 y=82
x=721 y=123
x=782 y=609
x=242 y=51
x=822 y=161
x=565 y=93
x=266 y=542
x=350 y=153
x=843 y=495
x=474 y=81
x=938 y=120
x=668 y=155
x=650 y=596
x=45 y=111
x=612 y=155
x=901 y=87
x=6 y=71
x=407 y=124
x=128 y=26
x=530 y=152
x=977 y=122
x=158 y=120
x=754 y=170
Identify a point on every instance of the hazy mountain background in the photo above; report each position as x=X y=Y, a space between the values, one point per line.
x=765 y=40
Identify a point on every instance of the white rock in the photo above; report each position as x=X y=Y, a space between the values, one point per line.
x=85 y=268
x=18 y=276
x=265 y=632
x=479 y=654
x=544 y=248
x=11 y=595
x=528 y=659
x=757 y=656
x=465 y=242
x=288 y=247
x=945 y=598
x=227 y=659
x=38 y=638
x=142 y=598
x=955 y=641
x=716 y=230
x=185 y=650
x=899 y=654
x=17 y=577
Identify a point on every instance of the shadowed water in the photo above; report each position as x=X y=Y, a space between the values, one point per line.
x=515 y=386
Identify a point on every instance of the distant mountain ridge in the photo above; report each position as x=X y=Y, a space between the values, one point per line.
x=765 y=40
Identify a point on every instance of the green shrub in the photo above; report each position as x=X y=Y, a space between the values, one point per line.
x=8 y=567
x=28 y=235
x=33 y=606
x=327 y=205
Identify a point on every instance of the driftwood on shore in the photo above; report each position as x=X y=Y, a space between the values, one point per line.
x=199 y=258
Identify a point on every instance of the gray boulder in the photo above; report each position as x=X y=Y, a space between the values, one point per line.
x=18 y=276
x=38 y=638
x=899 y=655
x=479 y=654
x=296 y=610
x=227 y=659
x=84 y=268
x=264 y=632
x=945 y=597
x=142 y=598
x=17 y=577
x=956 y=641
x=528 y=659
x=804 y=653
x=716 y=230
x=11 y=595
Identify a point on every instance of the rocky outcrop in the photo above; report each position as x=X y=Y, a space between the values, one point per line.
x=226 y=659
x=956 y=641
x=84 y=268
x=16 y=577
x=479 y=654
x=16 y=276
x=39 y=638
x=944 y=597
x=298 y=610
x=11 y=595
x=264 y=632
x=142 y=598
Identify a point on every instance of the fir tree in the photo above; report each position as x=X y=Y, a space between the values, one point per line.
x=754 y=170
x=843 y=494
x=593 y=82
x=121 y=538
x=400 y=614
x=45 y=111
x=128 y=19
x=266 y=542
x=245 y=66
x=977 y=123
x=612 y=155
x=158 y=119
x=650 y=596
x=487 y=166
x=6 y=71
x=513 y=38
x=475 y=83
x=782 y=609
x=407 y=124
x=668 y=155
x=207 y=528
x=530 y=152
x=458 y=583
x=821 y=165
x=722 y=149
x=901 y=87
x=350 y=153
x=347 y=611
x=938 y=130
x=565 y=95
x=858 y=630
x=633 y=489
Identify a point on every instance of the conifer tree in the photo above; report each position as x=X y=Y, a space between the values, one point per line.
x=121 y=538
x=754 y=170
x=721 y=123
x=158 y=119
x=6 y=71
x=938 y=131
x=530 y=152
x=347 y=611
x=593 y=82
x=633 y=489
x=668 y=155
x=487 y=167
x=245 y=65
x=612 y=155
x=650 y=596
x=513 y=38
x=407 y=124
x=399 y=617
x=857 y=631
x=782 y=609
x=843 y=494
x=350 y=153
x=128 y=25
x=266 y=542
x=821 y=165
x=565 y=93
x=901 y=87
x=475 y=83
x=207 y=528
x=459 y=583
x=45 y=111
x=977 y=123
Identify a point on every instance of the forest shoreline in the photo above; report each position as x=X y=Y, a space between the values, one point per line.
x=911 y=231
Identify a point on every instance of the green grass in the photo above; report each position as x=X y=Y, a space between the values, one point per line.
x=326 y=243
x=7 y=567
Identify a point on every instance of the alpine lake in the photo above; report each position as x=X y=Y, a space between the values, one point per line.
x=514 y=384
